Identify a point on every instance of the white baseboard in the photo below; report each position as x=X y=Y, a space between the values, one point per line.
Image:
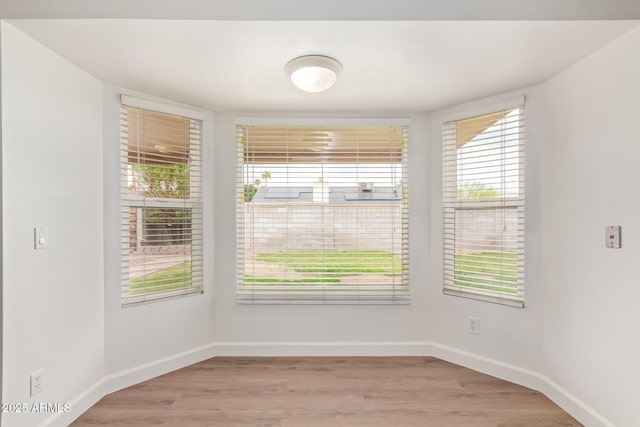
x=496 y=368
x=525 y=377
x=79 y=405
x=330 y=348
x=577 y=408
x=127 y=378
x=138 y=374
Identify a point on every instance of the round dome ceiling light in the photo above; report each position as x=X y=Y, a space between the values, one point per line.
x=313 y=73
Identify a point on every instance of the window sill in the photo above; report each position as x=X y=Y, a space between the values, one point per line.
x=481 y=296
x=149 y=299
x=400 y=297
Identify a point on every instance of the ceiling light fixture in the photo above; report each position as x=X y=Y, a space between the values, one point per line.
x=313 y=73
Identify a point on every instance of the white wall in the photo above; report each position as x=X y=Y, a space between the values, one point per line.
x=139 y=336
x=1 y=239
x=52 y=176
x=507 y=334
x=592 y=294
x=577 y=327
x=283 y=329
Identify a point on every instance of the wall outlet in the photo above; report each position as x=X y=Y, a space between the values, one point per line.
x=612 y=236
x=37 y=382
x=474 y=325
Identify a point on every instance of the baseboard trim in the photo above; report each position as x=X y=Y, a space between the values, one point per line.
x=525 y=377
x=79 y=405
x=577 y=408
x=127 y=378
x=328 y=348
x=138 y=374
x=486 y=365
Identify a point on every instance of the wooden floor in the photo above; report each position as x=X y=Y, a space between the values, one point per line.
x=326 y=391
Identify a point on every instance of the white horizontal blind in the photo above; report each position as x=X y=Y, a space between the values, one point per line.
x=484 y=207
x=322 y=214
x=161 y=205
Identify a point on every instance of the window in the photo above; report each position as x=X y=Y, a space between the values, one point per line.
x=484 y=207
x=161 y=206
x=322 y=214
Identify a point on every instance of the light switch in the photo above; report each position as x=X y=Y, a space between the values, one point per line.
x=40 y=238
x=612 y=236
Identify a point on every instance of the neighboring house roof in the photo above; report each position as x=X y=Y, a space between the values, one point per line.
x=337 y=195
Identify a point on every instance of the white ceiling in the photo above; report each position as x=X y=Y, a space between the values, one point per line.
x=389 y=66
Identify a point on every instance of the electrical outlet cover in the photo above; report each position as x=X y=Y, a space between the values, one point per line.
x=37 y=382
x=474 y=325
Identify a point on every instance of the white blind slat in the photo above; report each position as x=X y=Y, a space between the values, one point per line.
x=322 y=214
x=161 y=205
x=483 y=207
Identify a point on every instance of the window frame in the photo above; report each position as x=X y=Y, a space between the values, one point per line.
x=194 y=203
x=243 y=296
x=449 y=206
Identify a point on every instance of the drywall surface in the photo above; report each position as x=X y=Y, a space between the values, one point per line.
x=510 y=335
x=592 y=294
x=316 y=324
x=1 y=253
x=52 y=177
x=140 y=335
x=62 y=310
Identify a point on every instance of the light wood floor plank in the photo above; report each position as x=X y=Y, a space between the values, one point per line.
x=326 y=391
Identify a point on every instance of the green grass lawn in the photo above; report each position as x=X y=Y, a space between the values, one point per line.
x=274 y=281
x=338 y=263
x=176 y=277
x=494 y=271
x=328 y=267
